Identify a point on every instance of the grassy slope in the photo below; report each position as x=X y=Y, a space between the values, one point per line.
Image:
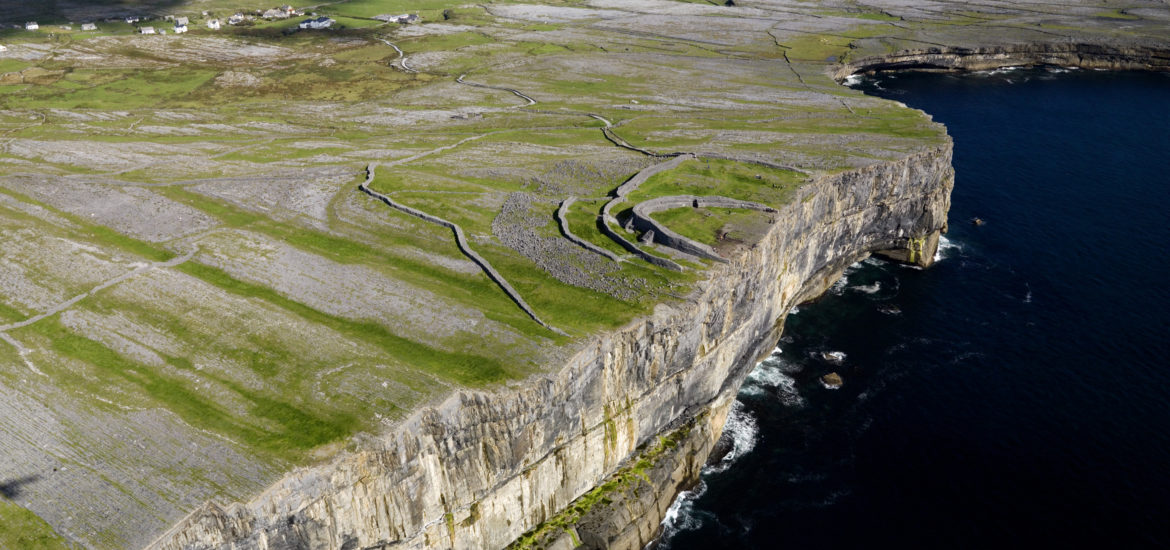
x=23 y=530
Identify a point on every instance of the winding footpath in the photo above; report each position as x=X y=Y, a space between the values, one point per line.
x=461 y=241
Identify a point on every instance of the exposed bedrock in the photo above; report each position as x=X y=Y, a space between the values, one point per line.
x=1111 y=56
x=482 y=469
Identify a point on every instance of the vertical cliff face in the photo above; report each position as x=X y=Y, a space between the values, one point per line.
x=482 y=469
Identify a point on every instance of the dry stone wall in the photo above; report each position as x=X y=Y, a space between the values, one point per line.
x=481 y=469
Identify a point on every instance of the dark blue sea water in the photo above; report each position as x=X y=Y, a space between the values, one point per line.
x=1015 y=394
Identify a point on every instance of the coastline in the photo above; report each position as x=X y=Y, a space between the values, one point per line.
x=587 y=440
x=632 y=512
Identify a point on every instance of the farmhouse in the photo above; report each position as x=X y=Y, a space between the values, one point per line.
x=180 y=29
x=31 y=26
x=88 y=27
x=132 y=19
x=184 y=21
x=213 y=24
x=276 y=14
x=145 y=30
x=236 y=19
x=318 y=23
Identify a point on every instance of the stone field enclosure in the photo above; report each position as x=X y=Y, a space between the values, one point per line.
x=200 y=290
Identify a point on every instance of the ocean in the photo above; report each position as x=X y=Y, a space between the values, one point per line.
x=1017 y=392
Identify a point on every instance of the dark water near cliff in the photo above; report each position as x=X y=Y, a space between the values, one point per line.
x=1017 y=393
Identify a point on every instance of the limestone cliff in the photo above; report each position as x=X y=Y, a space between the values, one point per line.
x=1116 y=56
x=484 y=468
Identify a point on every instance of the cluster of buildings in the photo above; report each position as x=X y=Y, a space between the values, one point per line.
x=283 y=12
x=182 y=23
x=180 y=26
x=404 y=19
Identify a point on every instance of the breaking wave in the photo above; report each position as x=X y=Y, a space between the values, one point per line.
x=946 y=248
x=842 y=283
x=773 y=375
x=681 y=515
x=868 y=289
x=741 y=426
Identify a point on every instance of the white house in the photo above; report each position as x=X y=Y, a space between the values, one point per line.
x=236 y=19
x=182 y=21
x=3 y=48
x=275 y=13
x=31 y=26
x=318 y=23
x=180 y=29
x=88 y=27
x=145 y=30
x=213 y=24
x=131 y=20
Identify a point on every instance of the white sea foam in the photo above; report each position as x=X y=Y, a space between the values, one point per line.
x=773 y=374
x=945 y=248
x=853 y=80
x=794 y=310
x=868 y=289
x=744 y=431
x=681 y=514
x=840 y=284
x=834 y=357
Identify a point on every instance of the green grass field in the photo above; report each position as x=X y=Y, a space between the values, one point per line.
x=23 y=530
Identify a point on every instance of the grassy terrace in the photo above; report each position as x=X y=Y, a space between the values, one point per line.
x=308 y=312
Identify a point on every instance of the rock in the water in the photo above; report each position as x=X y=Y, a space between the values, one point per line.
x=977 y=221
x=832 y=380
x=889 y=309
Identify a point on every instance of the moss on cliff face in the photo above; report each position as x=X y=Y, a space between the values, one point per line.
x=628 y=478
